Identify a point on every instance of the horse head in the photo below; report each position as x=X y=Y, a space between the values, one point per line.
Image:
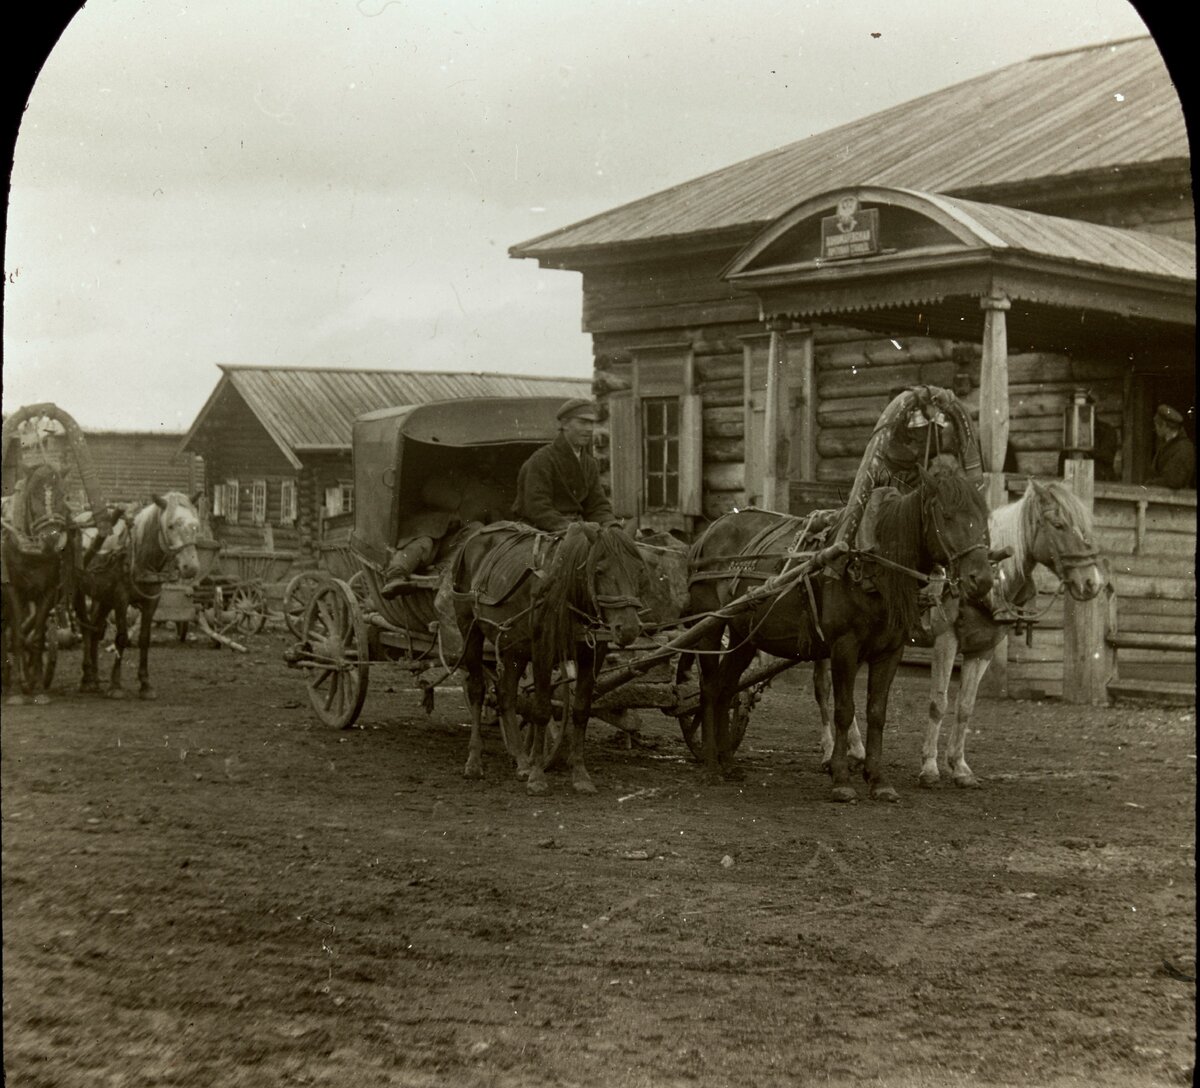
x=178 y=529
x=955 y=524
x=617 y=582
x=1061 y=538
x=46 y=514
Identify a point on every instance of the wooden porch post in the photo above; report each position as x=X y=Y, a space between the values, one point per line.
x=775 y=451
x=1087 y=658
x=803 y=464
x=993 y=442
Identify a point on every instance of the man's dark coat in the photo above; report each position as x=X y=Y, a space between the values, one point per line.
x=555 y=487
x=1174 y=464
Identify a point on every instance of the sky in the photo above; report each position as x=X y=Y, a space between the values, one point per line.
x=337 y=182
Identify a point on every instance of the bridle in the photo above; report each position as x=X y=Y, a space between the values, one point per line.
x=1064 y=561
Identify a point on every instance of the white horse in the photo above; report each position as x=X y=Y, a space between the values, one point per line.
x=1049 y=526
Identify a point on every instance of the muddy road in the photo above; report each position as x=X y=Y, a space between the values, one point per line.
x=215 y=889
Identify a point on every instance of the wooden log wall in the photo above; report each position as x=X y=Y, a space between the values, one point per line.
x=855 y=377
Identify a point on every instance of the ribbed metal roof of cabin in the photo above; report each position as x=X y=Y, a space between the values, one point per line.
x=1075 y=240
x=306 y=408
x=1053 y=116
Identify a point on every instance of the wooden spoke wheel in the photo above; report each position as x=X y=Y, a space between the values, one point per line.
x=238 y=610
x=334 y=633
x=296 y=596
x=362 y=589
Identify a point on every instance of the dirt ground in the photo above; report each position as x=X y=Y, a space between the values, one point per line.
x=215 y=890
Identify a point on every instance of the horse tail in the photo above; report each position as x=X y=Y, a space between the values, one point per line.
x=565 y=585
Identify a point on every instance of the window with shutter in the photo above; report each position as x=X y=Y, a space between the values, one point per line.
x=333 y=501
x=218 y=500
x=232 y=498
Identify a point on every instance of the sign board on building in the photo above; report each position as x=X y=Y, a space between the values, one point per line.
x=853 y=232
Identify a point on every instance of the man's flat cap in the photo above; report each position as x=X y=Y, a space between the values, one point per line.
x=1165 y=411
x=578 y=408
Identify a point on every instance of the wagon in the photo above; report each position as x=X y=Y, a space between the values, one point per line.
x=343 y=635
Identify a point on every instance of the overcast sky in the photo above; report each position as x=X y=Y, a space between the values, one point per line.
x=336 y=183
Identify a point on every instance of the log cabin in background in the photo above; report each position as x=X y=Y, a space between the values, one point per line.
x=1026 y=238
x=277 y=445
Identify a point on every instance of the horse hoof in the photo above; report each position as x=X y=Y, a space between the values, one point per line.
x=147 y=693
x=473 y=769
x=536 y=787
x=583 y=785
x=928 y=781
x=117 y=693
x=733 y=773
x=15 y=700
x=855 y=763
x=885 y=793
x=967 y=782
x=713 y=778
x=825 y=766
x=843 y=794
x=41 y=700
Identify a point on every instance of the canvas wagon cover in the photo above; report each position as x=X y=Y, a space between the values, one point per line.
x=379 y=440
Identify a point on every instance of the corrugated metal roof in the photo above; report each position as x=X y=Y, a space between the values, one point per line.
x=314 y=408
x=1053 y=116
x=1074 y=240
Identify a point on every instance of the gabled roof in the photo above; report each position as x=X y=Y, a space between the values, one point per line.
x=1053 y=117
x=313 y=408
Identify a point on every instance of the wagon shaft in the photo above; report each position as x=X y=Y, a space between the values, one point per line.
x=772 y=587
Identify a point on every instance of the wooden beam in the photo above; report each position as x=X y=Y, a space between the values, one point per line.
x=993 y=395
x=804 y=447
x=1088 y=661
x=775 y=474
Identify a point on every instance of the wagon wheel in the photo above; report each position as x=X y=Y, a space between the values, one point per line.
x=362 y=590
x=243 y=610
x=690 y=722
x=296 y=596
x=334 y=632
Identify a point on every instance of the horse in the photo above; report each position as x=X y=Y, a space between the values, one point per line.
x=1049 y=526
x=550 y=601
x=859 y=609
x=128 y=570
x=36 y=531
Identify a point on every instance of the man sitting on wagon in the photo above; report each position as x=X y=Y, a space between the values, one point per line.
x=560 y=483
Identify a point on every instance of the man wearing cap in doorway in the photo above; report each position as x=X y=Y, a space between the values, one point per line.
x=560 y=483
x=1174 y=462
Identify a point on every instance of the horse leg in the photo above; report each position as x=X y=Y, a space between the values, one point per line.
x=472 y=665
x=35 y=650
x=843 y=660
x=509 y=668
x=14 y=648
x=709 y=657
x=539 y=716
x=121 y=643
x=145 y=689
x=733 y=664
x=945 y=647
x=823 y=690
x=880 y=674
x=587 y=665
x=973 y=669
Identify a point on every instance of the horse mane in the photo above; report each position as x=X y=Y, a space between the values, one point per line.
x=144 y=538
x=565 y=584
x=1015 y=523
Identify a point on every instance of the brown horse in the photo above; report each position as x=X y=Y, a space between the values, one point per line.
x=127 y=571
x=36 y=532
x=550 y=601
x=860 y=610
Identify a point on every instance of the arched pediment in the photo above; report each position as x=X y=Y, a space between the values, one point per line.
x=862 y=223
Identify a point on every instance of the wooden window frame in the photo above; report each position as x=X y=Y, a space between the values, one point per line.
x=258 y=502
x=288 y=502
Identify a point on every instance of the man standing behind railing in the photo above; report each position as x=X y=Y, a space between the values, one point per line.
x=1174 y=462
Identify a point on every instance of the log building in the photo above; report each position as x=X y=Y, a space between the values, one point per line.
x=1026 y=238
